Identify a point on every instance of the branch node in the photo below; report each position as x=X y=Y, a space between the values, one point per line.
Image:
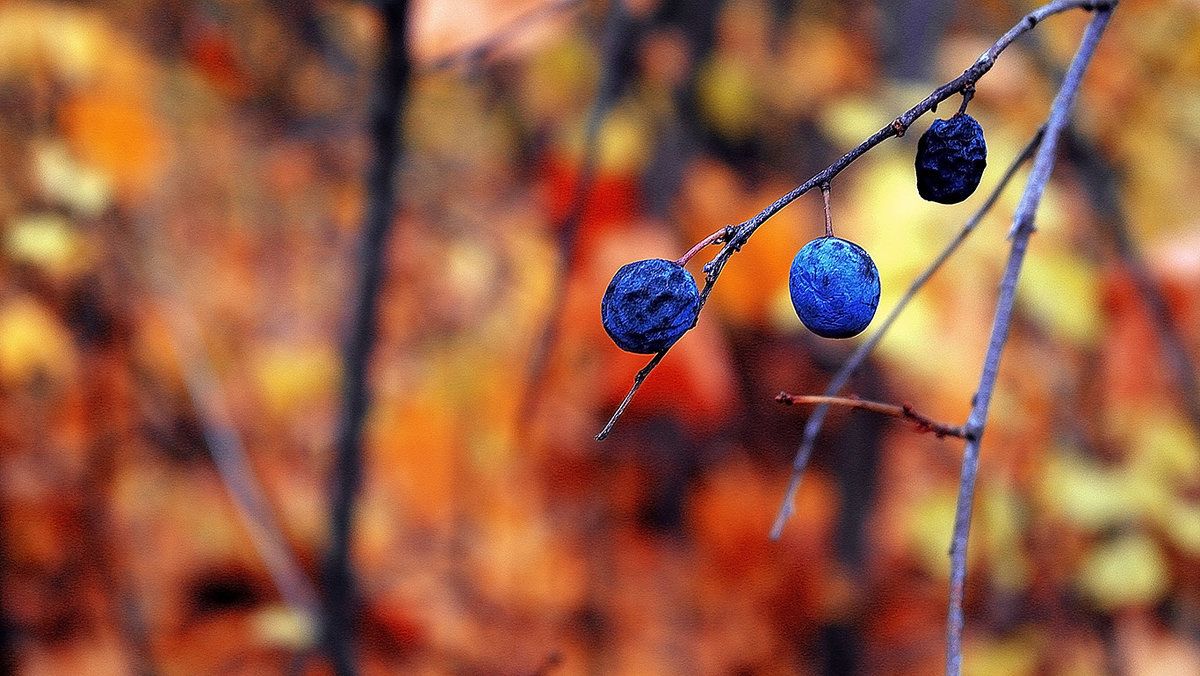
x=968 y=92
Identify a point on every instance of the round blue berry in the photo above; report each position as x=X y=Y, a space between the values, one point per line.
x=835 y=287
x=951 y=156
x=649 y=304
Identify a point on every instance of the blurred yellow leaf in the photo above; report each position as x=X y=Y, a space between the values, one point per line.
x=285 y=627
x=33 y=342
x=48 y=242
x=1085 y=494
x=67 y=182
x=1181 y=521
x=930 y=521
x=1013 y=656
x=728 y=96
x=1062 y=290
x=293 y=376
x=1130 y=570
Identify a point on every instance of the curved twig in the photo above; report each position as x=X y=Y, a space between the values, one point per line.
x=896 y=127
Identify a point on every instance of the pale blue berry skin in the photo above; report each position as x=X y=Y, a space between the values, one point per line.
x=649 y=304
x=835 y=287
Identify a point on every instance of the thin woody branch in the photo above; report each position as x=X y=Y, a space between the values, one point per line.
x=813 y=427
x=903 y=411
x=1022 y=229
x=896 y=128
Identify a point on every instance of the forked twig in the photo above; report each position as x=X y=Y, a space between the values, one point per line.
x=895 y=128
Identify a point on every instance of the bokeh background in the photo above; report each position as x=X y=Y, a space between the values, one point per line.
x=180 y=193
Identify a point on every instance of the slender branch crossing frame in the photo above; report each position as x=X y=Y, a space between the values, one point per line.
x=963 y=84
x=1042 y=148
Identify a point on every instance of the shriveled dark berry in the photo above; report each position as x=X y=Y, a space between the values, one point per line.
x=649 y=304
x=835 y=287
x=951 y=156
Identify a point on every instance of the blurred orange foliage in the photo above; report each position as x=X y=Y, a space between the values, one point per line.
x=182 y=185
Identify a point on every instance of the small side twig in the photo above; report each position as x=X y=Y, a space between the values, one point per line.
x=968 y=93
x=904 y=411
x=717 y=237
x=828 y=210
x=1023 y=228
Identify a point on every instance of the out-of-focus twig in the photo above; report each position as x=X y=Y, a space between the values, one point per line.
x=506 y=33
x=897 y=127
x=229 y=456
x=340 y=599
x=616 y=49
x=1100 y=183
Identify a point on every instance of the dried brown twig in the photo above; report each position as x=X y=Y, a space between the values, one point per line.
x=904 y=411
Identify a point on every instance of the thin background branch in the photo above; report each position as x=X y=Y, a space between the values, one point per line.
x=1023 y=228
x=340 y=599
x=229 y=455
x=221 y=438
x=897 y=127
x=503 y=35
x=1101 y=184
x=617 y=51
x=817 y=419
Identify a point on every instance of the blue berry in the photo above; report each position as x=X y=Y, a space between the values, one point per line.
x=835 y=287
x=649 y=304
x=951 y=156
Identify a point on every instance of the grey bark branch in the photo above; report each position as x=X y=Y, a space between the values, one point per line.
x=1023 y=228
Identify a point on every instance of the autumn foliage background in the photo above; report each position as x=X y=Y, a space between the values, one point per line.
x=181 y=190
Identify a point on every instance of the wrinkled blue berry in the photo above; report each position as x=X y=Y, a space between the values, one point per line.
x=835 y=287
x=951 y=156
x=649 y=304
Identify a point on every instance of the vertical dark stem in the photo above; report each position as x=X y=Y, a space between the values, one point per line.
x=340 y=598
